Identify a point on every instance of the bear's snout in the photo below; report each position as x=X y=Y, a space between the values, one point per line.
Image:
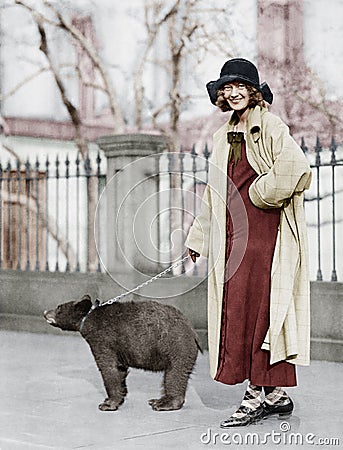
x=50 y=317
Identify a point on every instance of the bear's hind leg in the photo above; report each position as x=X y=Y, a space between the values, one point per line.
x=174 y=384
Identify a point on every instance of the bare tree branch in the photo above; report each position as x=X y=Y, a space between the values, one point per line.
x=153 y=27
x=91 y=52
x=321 y=106
x=61 y=22
x=11 y=151
x=23 y=82
x=36 y=14
x=47 y=223
x=73 y=112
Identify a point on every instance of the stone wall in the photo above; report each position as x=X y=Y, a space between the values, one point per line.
x=25 y=295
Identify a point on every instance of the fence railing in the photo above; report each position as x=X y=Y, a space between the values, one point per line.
x=47 y=210
x=44 y=213
x=323 y=204
x=324 y=207
x=184 y=175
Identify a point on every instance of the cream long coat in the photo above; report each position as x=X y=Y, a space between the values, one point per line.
x=283 y=175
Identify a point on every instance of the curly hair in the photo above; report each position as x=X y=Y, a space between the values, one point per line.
x=255 y=99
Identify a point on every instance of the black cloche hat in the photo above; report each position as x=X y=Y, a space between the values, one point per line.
x=239 y=69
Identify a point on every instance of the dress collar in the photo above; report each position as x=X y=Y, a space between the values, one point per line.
x=253 y=122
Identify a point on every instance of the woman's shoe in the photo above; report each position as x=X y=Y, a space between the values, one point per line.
x=282 y=409
x=250 y=416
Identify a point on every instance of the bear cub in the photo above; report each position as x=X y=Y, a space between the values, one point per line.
x=145 y=335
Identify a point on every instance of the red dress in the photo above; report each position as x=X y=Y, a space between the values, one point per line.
x=245 y=316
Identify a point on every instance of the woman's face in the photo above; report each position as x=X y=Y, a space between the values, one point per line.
x=237 y=95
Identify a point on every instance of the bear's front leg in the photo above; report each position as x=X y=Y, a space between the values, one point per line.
x=109 y=405
x=114 y=378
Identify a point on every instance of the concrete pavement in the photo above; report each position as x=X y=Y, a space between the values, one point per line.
x=50 y=391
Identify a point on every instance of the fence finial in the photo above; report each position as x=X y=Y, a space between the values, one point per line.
x=303 y=146
x=333 y=148
x=318 y=149
x=206 y=152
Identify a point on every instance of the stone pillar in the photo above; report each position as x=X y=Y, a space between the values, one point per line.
x=281 y=52
x=132 y=202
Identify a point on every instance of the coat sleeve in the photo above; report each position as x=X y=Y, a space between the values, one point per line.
x=290 y=173
x=198 y=235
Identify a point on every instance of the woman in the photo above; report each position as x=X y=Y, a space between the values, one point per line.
x=252 y=229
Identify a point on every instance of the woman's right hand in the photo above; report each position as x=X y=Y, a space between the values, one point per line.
x=193 y=254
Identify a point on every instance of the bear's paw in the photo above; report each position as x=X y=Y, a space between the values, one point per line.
x=108 y=405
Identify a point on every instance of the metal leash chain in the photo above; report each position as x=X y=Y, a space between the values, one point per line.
x=173 y=266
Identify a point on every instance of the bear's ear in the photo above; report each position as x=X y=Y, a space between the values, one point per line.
x=84 y=304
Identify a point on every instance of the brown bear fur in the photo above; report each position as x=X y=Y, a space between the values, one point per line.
x=145 y=335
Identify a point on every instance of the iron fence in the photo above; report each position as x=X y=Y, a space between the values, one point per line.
x=326 y=193
x=47 y=210
x=44 y=213
x=323 y=205
x=185 y=176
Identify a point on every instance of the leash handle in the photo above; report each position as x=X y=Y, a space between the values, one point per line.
x=159 y=275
